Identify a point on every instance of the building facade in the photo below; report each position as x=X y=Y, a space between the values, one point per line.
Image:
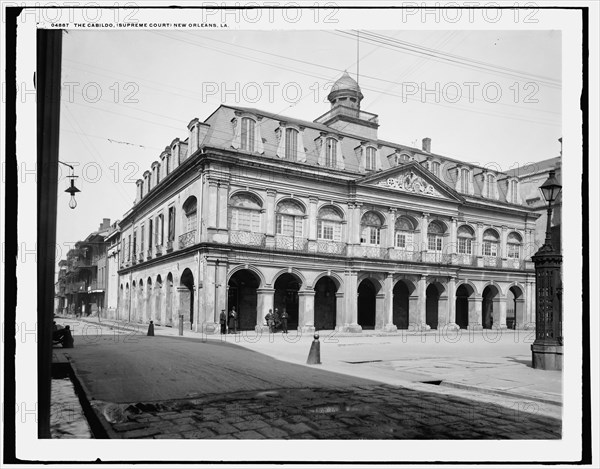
x=341 y=229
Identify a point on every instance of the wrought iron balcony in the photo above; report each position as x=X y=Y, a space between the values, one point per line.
x=403 y=255
x=491 y=261
x=247 y=238
x=289 y=243
x=187 y=239
x=518 y=264
x=436 y=257
x=331 y=247
x=464 y=259
x=374 y=252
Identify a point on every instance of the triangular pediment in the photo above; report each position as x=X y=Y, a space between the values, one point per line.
x=411 y=178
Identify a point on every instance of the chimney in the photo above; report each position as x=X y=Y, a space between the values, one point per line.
x=105 y=224
x=427 y=144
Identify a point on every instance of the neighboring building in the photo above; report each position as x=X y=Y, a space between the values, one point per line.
x=113 y=249
x=342 y=229
x=531 y=177
x=60 y=300
x=85 y=277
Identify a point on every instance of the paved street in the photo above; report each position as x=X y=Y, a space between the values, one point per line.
x=173 y=387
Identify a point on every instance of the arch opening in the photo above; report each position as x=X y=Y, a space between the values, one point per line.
x=432 y=306
x=286 y=297
x=243 y=295
x=325 y=304
x=487 y=308
x=186 y=295
x=367 y=292
x=463 y=293
x=401 y=304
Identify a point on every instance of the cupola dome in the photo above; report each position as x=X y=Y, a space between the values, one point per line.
x=346 y=92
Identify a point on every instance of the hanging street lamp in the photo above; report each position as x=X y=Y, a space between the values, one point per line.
x=547 y=349
x=71 y=189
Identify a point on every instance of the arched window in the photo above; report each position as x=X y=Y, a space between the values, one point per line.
x=190 y=214
x=371 y=154
x=514 y=242
x=248 y=134
x=370 y=225
x=331 y=152
x=329 y=224
x=465 y=236
x=404 y=230
x=244 y=213
x=289 y=219
x=435 y=168
x=435 y=236
x=291 y=144
x=490 y=243
x=513 y=191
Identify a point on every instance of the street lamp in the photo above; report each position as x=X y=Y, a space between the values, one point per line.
x=71 y=189
x=547 y=349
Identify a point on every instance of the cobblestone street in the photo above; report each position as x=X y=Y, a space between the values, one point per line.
x=363 y=412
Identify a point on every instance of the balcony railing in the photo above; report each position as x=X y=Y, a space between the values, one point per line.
x=491 y=261
x=464 y=259
x=349 y=112
x=515 y=264
x=331 y=247
x=407 y=256
x=374 y=252
x=247 y=238
x=187 y=239
x=437 y=257
x=289 y=243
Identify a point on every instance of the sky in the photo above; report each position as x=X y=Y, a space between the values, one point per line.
x=127 y=94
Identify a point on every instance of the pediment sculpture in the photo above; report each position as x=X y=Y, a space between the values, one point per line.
x=411 y=182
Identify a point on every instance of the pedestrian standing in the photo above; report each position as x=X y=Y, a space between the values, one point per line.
x=232 y=321
x=284 y=320
x=276 y=320
x=269 y=319
x=223 y=322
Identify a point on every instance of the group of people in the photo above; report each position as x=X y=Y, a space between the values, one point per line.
x=275 y=320
x=229 y=321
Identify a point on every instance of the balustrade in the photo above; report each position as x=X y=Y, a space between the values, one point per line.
x=187 y=239
x=289 y=243
x=331 y=247
x=403 y=255
x=491 y=261
x=375 y=252
x=247 y=238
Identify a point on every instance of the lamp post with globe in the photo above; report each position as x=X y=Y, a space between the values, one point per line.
x=547 y=349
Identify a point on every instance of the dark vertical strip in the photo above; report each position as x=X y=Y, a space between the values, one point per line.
x=49 y=48
x=586 y=447
x=10 y=223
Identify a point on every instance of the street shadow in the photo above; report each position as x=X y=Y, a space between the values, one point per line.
x=521 y=362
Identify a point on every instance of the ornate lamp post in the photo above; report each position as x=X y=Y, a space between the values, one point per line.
x=547 y=349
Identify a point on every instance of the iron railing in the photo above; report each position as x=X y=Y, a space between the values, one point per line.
x=331 y=247
x=407 y=256
x=347 y=111
x=289 y=243
x=465 y=259
x=247 y=238
x=491 y=261
x=187 y=239
x=375 y=252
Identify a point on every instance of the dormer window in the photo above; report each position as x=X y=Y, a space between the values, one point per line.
x=370 y=159
x=330 y=152
x=248 y=134
x=435 y=168
x=291 y=144
x=489 y=189
x=464 y=180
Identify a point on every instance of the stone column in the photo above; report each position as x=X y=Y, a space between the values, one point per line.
x=475 y=314
x=339 y=309
x=391 y=231
x=453 y=237
x=223 y=194
x=312 y=218
x=452 y=304
x=350 y=315
x=265 y=299
x=499 y=312
x=520 y=313
x=530 y=306
x=270 y=239
x=380 y=312
x=306 y=310
x=424 y=226
x=388 y=324
x=221 y=284
x=213 y=187
x=422 y=304
x=184 y=297
x=479 y=245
